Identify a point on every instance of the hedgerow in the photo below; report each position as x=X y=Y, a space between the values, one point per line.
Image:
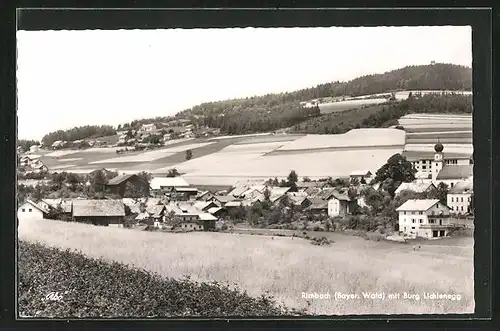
x=94 y=288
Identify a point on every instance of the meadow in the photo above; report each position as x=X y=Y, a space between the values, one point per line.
x=284 y=267
x=339 y=106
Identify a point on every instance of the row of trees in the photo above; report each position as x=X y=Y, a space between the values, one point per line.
x=78 y=133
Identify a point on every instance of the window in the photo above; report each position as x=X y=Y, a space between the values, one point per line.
x=404 y=213
x=461 y=208
x=413 y=213
x=413 y=220
x=421 y=221
x=436 y=164
x=451 y=184
x=431 y=221
x=424 y=167
x=413 y=228
x=462 y=199
x=452 y=199
x=30 y=210
x=420 y=212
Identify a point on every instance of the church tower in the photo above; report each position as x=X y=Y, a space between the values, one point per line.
x=437 y=164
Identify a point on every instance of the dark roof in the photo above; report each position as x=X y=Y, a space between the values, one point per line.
x=455 y=172
x=98 y=208
x=318 y=203
x=120 y=179
x=421 y=155
x=309 y=184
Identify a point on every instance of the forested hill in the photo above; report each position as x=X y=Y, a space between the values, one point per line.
x=274 y=111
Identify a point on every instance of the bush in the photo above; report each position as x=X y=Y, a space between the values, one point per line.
x=321 y=241
x=94 y=288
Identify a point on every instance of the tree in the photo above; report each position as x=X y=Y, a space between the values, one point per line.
x=441 y=192
x=189 y=154
x=306 y=179
x=292 y=177
x=396 y=170
x=267 y=194
x=173 y=173
x=58 y=178
x=145 y=175
x=132 y=191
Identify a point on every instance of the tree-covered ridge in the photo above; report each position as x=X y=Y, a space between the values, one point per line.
x=275 y=111
x=77 y=133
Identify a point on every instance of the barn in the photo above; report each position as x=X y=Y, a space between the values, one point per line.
x=99 y=212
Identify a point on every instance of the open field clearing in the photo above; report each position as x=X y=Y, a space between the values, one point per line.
x=404 y=94
x=153 y=155
x=354 y=138
x=70 y=159
x=261 y=148
x=284 y=267
x=270 y=139
x=62 y=153
x=63 y=167
x=242 y=136
x=445 y=134
x=416 y=128
x=448 y=148
x=317 y=164
x=411 y=141
x=333 y=107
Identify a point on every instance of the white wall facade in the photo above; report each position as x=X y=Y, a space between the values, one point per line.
x=29 y=212
x=459 y=203
x=422 y=224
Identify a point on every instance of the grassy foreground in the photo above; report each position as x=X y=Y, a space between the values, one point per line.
x=285 y=267
x=88 y=287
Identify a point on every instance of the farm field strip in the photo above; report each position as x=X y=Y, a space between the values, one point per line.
x=354 y=138
x=281 y=266
x=319 y=164
x=62 y=153
x=70 y=159
x=241 y=136
x=153 y=155
x=269 y=139
x=332 y=107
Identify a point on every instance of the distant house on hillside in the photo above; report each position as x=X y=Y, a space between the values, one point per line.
x=427 y=218
x=221 y=200
x=30 y=211
x=34 y=148
x=118 y=184
x=148 y=127
x=99 y=212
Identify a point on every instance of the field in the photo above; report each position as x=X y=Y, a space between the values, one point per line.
x=425 y=130
x=339 y=106
x=224 y=160
x=285 y=267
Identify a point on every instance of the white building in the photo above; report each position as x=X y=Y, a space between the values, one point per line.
x=34 y=148
x=429 y=164
x=30 y=211
x=459 y=198
x=426 y=218
x=148 y=127
x=338 y=204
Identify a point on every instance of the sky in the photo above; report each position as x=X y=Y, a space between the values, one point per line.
x=95 y=77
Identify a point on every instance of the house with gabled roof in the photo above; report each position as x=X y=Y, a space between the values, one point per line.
x=459 y=197
x=29 y=210
x=99 y=212
x=426 y=218
x=118 y=184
